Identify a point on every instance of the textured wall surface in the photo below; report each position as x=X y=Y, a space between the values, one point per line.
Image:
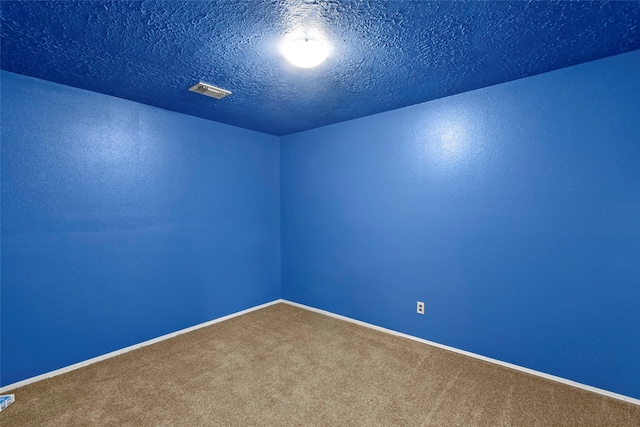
x=122 y=222
x=386 y=55
x=512 y=211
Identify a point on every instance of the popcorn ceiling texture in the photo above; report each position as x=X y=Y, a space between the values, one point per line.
x=386 y=55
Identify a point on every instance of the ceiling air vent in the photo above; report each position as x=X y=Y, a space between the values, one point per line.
x=209 y=90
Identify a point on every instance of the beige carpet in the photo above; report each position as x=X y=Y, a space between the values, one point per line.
x=283 y=366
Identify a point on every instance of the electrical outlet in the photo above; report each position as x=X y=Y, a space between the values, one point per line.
x=420 y=307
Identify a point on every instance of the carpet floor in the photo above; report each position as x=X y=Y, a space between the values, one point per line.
x=285 y=366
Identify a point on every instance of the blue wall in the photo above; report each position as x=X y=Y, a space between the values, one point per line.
x=122 y=222
x=512 y=211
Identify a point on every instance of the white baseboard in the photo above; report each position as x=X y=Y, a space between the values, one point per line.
x=326 y=313
x=474 y=355
x=131 y=347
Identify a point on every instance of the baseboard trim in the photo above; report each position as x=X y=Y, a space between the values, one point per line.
x=96 y=359
x=592 y=389
x=131 y=347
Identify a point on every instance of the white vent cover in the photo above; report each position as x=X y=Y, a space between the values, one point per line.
x=209 y=90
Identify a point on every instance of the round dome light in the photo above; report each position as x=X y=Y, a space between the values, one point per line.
x=305 y=52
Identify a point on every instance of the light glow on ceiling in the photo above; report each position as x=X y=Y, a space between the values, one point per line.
x=305 y=52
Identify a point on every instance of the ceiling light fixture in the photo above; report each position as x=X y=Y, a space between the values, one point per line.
x=305 y=52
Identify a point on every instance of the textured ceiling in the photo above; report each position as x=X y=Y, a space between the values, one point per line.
x=385 y=55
